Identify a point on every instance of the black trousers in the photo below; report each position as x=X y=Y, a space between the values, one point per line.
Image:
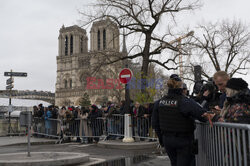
x=179 y=150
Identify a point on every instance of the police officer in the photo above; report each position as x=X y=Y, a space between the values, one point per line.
x=173 y=120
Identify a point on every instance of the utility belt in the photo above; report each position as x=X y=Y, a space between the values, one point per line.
x=177 y=134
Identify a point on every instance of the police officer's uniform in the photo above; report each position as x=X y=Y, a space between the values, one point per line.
x=173 y=120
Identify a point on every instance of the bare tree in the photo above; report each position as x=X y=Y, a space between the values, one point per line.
x=222 y=46
x=141 y=19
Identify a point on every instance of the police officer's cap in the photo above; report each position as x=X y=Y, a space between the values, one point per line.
x=175 y=77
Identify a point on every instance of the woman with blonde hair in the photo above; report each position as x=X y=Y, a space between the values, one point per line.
x=236 y=108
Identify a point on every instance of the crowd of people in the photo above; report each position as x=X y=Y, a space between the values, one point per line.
x=93 y=121
x=233 y=104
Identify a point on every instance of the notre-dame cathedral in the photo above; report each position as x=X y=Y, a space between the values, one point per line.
x=80 y=70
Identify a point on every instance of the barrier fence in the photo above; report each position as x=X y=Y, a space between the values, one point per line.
x=142 y=128
x=115 y=125
x=46 y=127
x=82 y=128
x=224 y=144
x=101 y=127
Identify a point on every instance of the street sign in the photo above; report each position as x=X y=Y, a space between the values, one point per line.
x=8 y=87
x=125 y=75
x=9 y=81
x=15 y=74
x=10 y=108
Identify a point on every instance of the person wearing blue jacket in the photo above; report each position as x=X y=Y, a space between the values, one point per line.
x=173 y=120
x=48 y=124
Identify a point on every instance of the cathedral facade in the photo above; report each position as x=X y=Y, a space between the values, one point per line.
x=80 y=70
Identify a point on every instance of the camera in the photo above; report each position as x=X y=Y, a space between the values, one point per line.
x=202 y=86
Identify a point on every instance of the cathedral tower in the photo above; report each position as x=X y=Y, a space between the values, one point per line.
x=72 y=40
x=104 y=36
x=75 y=64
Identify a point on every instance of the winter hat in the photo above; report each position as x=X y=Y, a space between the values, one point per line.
x=94 y=106
x=175 y=77
x=50 y=106
x=237 y=84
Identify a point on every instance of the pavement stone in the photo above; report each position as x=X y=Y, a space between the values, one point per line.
x=96 y=154
x=157 y=161
x=43 y=159
x=18 y=140
x=118 y=144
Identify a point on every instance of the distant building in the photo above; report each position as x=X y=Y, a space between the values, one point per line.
x=28 y=94
x=19 y=104
x=77 y=66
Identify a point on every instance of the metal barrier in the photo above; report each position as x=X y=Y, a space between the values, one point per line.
x=88 y=128
x=224 y=144
x=142 y=128
x=115 y=125
x=82 y=129
x=46 y=127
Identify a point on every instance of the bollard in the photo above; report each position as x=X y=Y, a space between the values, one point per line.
x=25 y=120
x=127 y=129
x=29 y=127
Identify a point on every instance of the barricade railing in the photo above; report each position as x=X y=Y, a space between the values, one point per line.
x=82 y=128
x=48 y=127
x=100 y=127
x=223 y=144
x=142 y=128
x=115 y=125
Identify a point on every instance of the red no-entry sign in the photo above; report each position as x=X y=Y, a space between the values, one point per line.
x=125 y=75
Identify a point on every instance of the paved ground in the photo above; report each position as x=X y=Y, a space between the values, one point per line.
x=17 y=140
x=147 y=157
x=43 y=159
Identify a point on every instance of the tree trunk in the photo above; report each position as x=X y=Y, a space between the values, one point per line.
x=145 y=62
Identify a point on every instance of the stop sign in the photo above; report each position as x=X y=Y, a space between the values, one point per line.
x=125 y=75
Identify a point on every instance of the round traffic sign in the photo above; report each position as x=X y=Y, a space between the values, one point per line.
x=125 y=75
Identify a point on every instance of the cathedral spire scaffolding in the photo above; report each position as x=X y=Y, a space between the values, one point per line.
x=124 y=47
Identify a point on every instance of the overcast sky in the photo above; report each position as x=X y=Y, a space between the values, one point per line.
x=30 y=28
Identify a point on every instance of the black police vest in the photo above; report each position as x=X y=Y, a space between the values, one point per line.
x=170 y=117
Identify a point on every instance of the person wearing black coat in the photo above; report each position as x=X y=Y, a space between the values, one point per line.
x=95 y=123
x=173 y=120
x=137 y=113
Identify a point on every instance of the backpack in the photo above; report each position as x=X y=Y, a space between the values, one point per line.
x=40 y=113
x=54 y=114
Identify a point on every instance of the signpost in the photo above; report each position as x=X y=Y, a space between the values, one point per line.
x=9 y=81
x=10 y=86
x=10 y=108
x=125 y=75
x=15 y=74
